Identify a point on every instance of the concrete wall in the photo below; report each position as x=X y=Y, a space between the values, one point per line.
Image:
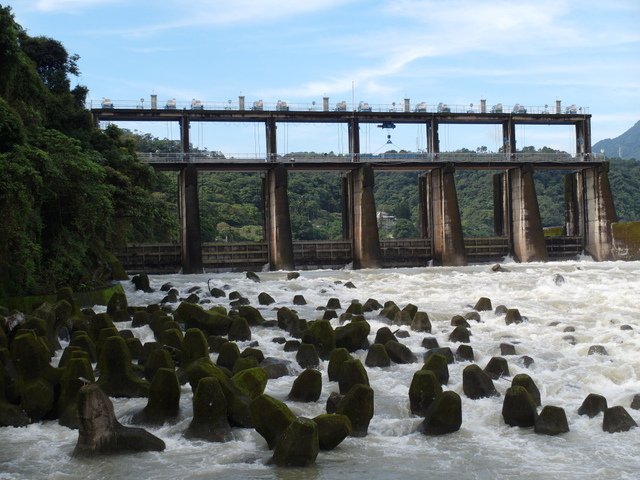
x=626 y=240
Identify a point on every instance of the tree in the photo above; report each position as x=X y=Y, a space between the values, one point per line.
x=52 y=61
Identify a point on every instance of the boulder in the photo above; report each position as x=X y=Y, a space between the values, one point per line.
x=253 y=277
x=117 y=307
x=464 y=353
x=76 y=373
x=285 y=317
x=251 y=381
x=444 y=415
x=526 y=360
x=497 y=367
x=513 y=316
x=159 y=358
x=239 y=330
x=307 y=356
x=519 y=408
x=209 y=413
x=81 y=339
x=355 y=308
x=307 y=387
x=421 y=322
x=333 y=401
x=299 y=300
x=524 y=380
x=498 y=268
x=333 y=304
x=473 y=315
x=444 y=351
x=423 y=390
x=291 y=346
x=459 y=334
x=377 y=356
x=500 y=310
x=383 y=335
x=477 y=384
x=217 y=293
x=349 y=285
x=336 y=360
x=253 y=352
x=271 y=418
x=329 y=314
x=358 y=406
x=229 y=354
x=244 y=363
x=483 y=304
x=617 y=419
x=438 y=365
x=321 y=335
x=164 y=399
x=194 y=346
x=332 y=430
x=402 y=317
x=265 y=299
x=353 y=335
x=389 y=310
x=371 y=305
x=635 y=402
x=399 y=353
x=551 y=421
x=597 y=350
x=430 y=342
x=292 y=275
x=352 y=373
x=116 y=373
x=141 y=282
x=101 y=433
x=210 y=322
x=507 y=349
x=251 y=314
x=276 y=367
x=459 y=321
x=298 y=446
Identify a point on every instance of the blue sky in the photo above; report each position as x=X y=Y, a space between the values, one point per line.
x=530 y=52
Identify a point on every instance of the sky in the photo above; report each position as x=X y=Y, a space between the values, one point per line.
x=528 y=52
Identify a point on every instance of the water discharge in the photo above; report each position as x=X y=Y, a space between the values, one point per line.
x=596 y=299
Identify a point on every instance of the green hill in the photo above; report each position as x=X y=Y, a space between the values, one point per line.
x=626 y=146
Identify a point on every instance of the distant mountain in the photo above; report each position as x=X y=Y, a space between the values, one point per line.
x=626 y=145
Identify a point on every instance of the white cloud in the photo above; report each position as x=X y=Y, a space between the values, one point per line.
x=67 y=6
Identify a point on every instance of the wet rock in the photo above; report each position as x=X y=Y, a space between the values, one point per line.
x=240 y=302
x=276 y=367
x=464 y=353
x=617 y=419
x=569 y=329
x=250 y=381
x=444 y=415
x=271 y=418
x=254 y=352
x=117 y=307
x=371 y=305
x=421 y=322
x=439 y=366
x=253 y=277
x=524 y=380
x=570 y=339
x=500 y=310
x=527 y=361
x=292 y=275
x=322 y=336
x=353 y=336
x=166 y=287
x=507 y=349
x=473 y=315
x=216 y=342
x=477 y=384
x=483 y=304
x=558 y=279
x=518 y=408
x=210 y=322
x=100 y=432
x=192 y=298
x=141 y=282
x=307 y=387
x=358 y=406
x=551 y=421
x=513 y=316
x=307 y=356
x=423 y=390
x=158 y=358
x=164 y=399
x=239 y=330
x=336 y=361
x=626 y=327
x=352 y=373
x=389 y=310
x=349 y=285
x=402 y=334
x=333 y=401
x=217 y=293
x=499 y=268
x=459 y=321
x=497 y=367
x=76 y=374
x=82 y=340
x=377 y=356
x=444 y=351
x=229 y=354
x=399 y=353
x=459 y=335
x=430 y=342
x=635 y=403
x=299 y=300
x=116 y=373
x=140 y=319
x=329 y=315
x=333 y=304
x=592 y=405
x=298 y=446
x=597 y=350
x=209 y=420
x=384 y=335
x=355 y=308
x=332 y=430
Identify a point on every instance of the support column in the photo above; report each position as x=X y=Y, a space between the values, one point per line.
x=423 y=206
x=433 y=138
x=278 y=221
x=347 y=208
x=445 y=226
x=501 y=219
x=600 y=212
x=527 y=235
x=365 y=239
x=509 y=139
x=573 y=204
x=354 y=138
x=191 y=246
x=583 y=139
x=272 y=150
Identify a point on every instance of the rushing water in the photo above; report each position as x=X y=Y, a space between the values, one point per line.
x=596 y=299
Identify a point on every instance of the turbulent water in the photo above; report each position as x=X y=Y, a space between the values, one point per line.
x=595 y=298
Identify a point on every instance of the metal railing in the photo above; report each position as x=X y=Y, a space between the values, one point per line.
x=444 y=157
x=314 y=106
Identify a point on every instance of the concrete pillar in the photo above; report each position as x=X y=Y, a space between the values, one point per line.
x=347 y=208
x=278 y=221
x=509 y=139
x=573 y=204
x=527 y=235
x=191 y=245
x=583 y=139
x=185 y=142
x=423 y=206
x=445 y=226
x=272 y=150
x=600 y=212
x=501 y=219
x=433 y=139
x=354 y=138
x=365 y=239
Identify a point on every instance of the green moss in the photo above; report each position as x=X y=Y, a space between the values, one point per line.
x=553 y=231
x=251 y=382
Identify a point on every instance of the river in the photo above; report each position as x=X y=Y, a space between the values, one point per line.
x=596 y=299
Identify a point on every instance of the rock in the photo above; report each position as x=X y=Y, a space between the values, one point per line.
x=377 y=356
x=229 y=354
x=444 y=415
x=276 y=367
x=477 y=384
x=597 y=350
x=271 y=418
x=500 y=310
x=518 y=408
x=569 y=329
x=242 y=301
x=524 y=380
x=352 y=373
x=444 y=351
x=333 y=401
x=140 y=318
x=329 y=315
x=244 y=363
x=617 y=419
x=371 y=305
x=358 y=406
x=473 y=315
x=399 y=353
x=70 y=384
x=307 y=356
x=459 y=334
x=307 y=387
x=464 y=353
x=164 y=399
x=389 y=310
x=215 y=343
x=292 y=275
x=558 y=279
x=498 y=268
x=402 y=317
x=253 y=277
x=192 y=298
x=299 y=300
x=100 y=432
x=333 y=304
x=421 y=322
x=332 y=430
x=355 y=308
x=251 y=351
x=593 y=405
x=423 y=390
x=158 y=358
x=507 y=349
x=336 y=361
x=383 y=335
x=438 y=365
x=353 y=335
x=141 y=282
x=166 y=287
x=551 y=421
x=209 y=420
x=513 y=316
x=217 y=293
x=298 y=446
x=251 y=381
x=349 y=285
x=251 y=314
x=322 y=336
x=459 y=321
x=239 y=331
x=483 y=304
x=570 y=339
x=116 y=373
x=635 y=403
x=117 y=307
x=626 y=327
x=210 y=322
x=430 y=342
x=291 y=346
x=496 y=368
x=82 y=340
x=194 y=346
x=402 y=334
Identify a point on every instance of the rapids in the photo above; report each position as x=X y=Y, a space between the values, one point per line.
x=596 y=299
